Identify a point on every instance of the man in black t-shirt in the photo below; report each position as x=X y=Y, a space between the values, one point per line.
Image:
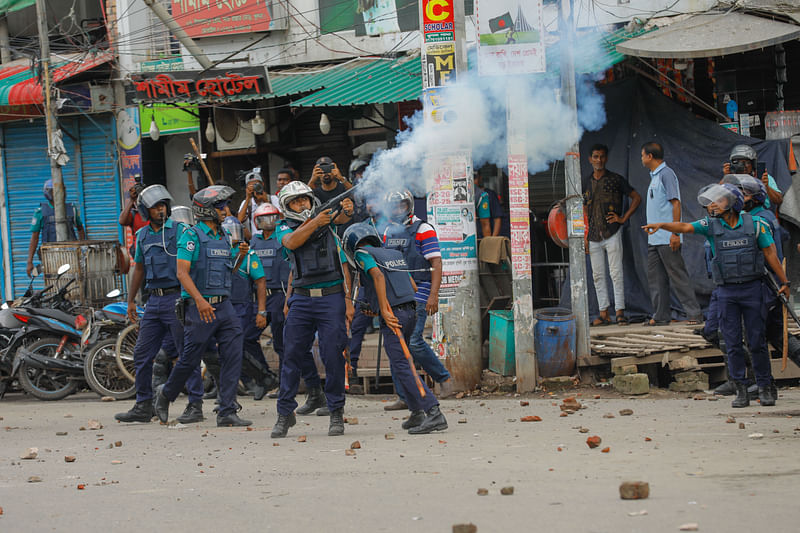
x=604 y=198
x=327 y=182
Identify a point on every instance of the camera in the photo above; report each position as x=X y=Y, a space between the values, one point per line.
x=739 y=166
x=190 y=162
x=327 y=168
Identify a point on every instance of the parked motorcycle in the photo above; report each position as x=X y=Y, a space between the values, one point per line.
x=100 y=367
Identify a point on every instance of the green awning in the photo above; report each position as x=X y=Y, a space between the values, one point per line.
x=9 y=6
x=383 y=81
x=376 y=81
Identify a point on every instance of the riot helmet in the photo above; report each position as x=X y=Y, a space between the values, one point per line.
x=291 y=191
x=266 y=216
x=739 y=158
x=152 y=196
x=721 y=198
x=233 y=227
x=399 y=206
x=182 y=214
x=48 y=190
x=356 y=235
x=206 y=202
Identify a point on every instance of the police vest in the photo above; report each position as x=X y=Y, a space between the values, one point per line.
x=160 y=264
x=49 y=222
x=777 y=231
x=404 y=239
x=276 y=268
x=211 y=273
x=242 y=290
x=317 y=260
x=392 y=264
x=737 y=258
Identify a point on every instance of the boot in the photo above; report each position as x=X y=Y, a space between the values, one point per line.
x=314 y=400
x=752 y=391
x=416 y=418
x=232 y=420
x=264 y=385
x=741 y=400
x=282 y=425
x=765 y=396
x=399 y=405
x=323 y=411
x=161 y=405
x=212 y=392
x=726 y=389
x=336 y=426
x=434 y=421
x=193 y=413
x=141 y=412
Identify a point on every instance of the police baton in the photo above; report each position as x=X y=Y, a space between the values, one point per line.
x=786 y=309
x=407 y=353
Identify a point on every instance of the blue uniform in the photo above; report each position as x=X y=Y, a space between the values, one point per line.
x=244 y=301
x=211 y=269
x=738 y=270
x=276 y=271
x=156 y=251
x=44 y=221
x=400 y=294
x=316 y=305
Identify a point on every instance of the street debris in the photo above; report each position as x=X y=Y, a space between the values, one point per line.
x=348 y=451
x=61 y=433
x=741 y=425
x=81 y=486
x=483 y=492
x=462 y=420
x=692 y=526
x=570 y=404
x=524 y=403
x=647 y=439
x=755 y=436
x=465 y=528
x=69 y=458
x=625 y=412
x=507 y=491
x=609 y=415
x=94 y=424
x=593 y=441
x=634 y=490
x=355 y=445
x=606 y=449
x=583 y=430
x=30 y=453
x=730 y=420
x=108 y=399
x=118 y=443
x=352 y=421
x=643 y=512
x=389 y=436
x=301 y=438
x=532 y=418
x=34 y=479
x=115 y=462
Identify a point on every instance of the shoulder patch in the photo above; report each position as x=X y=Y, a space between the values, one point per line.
x=34 y=221
x=254 y=264
x=190 y=246
x=763 y=229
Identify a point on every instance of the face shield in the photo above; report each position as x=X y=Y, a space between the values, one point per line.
x=183 y=214
x=716 y=199
x=234 y=228
x=267 y=222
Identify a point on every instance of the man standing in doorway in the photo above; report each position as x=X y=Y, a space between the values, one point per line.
x=604 y=198
x=665 y=264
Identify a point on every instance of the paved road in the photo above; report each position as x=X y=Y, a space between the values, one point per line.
x=201 y=478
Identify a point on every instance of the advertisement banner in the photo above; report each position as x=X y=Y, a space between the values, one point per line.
x=170 y=118
x=519 y=216
x=206 y=86
x=510 y=37
x=129 y=142
x=206 y=18
x=438 y=21
x=439 y=68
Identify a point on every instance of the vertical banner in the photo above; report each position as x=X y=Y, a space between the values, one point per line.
x=510 y=37
x=129 y=141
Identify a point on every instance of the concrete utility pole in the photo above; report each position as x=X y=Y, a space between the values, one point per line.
x=575 y=225
x=59 y=198
x=458 y=320
x=179 y=33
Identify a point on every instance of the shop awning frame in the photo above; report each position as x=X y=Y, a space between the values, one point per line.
x=710 y=34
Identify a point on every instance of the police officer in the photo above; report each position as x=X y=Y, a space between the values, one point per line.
x=390 y=291
x=205 y=264
x=744 y=160
x=317 y=304
x=741 y=245
x=418 y=243
x=276 y=272
x=249 y=283
x=44 y=222
x=155 y=264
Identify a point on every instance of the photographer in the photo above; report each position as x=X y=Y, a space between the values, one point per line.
x=326 y=182
x=255 y=196
x=744 y=160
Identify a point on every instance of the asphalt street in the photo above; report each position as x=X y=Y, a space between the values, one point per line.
x=701 y=468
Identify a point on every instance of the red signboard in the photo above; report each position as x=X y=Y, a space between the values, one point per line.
x=437 y=15
x=204 y=18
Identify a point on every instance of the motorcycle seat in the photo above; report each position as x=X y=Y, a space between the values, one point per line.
x=55 y=314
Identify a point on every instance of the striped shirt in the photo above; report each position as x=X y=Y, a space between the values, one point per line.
x=428 y=245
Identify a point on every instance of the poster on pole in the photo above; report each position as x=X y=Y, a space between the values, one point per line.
x=510 y=37
x=129 y=142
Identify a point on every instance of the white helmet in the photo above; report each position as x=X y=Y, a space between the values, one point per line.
x=289 y=192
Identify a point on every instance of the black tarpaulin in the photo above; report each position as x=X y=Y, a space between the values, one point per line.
x=695 y=148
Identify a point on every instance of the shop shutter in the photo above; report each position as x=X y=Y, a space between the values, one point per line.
x=90 y=178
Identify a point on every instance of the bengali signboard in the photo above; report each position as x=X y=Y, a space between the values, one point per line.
x=206 y=18
x=207 y=86
x=510 y=37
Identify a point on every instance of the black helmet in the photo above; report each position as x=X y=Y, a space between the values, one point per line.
x=151 y=197
x=205 y=201
x=357 y=234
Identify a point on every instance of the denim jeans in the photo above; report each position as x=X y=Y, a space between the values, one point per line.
x=422 y=353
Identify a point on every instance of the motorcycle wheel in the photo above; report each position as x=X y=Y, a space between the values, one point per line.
x=126 y=342
x=44 y=384
x=103 y=374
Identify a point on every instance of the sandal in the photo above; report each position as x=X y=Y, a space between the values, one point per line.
x=654 y=322
x=600 y=321
x=622 y=320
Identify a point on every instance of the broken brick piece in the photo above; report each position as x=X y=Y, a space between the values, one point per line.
x=634 y=490
x=593 y=441
x=533 y=418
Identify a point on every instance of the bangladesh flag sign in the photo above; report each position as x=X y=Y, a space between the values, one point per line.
x=501 y=23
